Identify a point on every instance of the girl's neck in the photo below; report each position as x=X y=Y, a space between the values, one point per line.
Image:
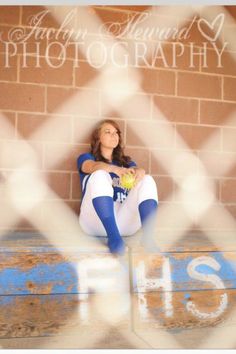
x=107 y=153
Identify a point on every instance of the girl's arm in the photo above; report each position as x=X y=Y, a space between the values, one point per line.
x=90 y=166
x=139 y=173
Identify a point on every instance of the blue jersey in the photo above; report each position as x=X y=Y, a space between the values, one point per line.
x=120 y=193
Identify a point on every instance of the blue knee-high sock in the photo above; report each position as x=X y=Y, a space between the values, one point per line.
x=104 y=207
x=147 y=212
x=147 y=209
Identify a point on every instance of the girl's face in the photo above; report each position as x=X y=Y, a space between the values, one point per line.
x=109 y=137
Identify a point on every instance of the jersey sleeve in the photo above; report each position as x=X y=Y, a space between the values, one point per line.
x=132 y=164
x=82 y=158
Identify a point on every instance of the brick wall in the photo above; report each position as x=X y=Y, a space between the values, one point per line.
x=173 y=108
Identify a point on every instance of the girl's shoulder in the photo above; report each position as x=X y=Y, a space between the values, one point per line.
x=83 y=157
x=86 y=155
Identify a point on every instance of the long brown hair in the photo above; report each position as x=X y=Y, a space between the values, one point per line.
x=118 y=155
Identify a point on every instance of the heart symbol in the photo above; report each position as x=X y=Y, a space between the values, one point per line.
x=218 y=22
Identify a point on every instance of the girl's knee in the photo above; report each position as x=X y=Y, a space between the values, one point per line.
x=149 y=180
x=100 y=175
x=148 y=188
x=100 y=184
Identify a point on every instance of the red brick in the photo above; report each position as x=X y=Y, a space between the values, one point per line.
x=232 y=210
x=10 y=15
x=197 y=137
x=26 y=97
x=8 y=125
x=231 y=172
x=215 y=219
x=231 y=10
x=63 y=157
x=216 y=187
x=195 y=35
x=53 y=218
x=171 y=216
x=186 y=61
x=157 y=167
x=15 y=154
x=25 y=225
x=177 y=109
x=86 y=49
x=62 y=75
x=60 y=184
x=8 y=215
x=149 y=133
x=138 y=8
x=74 y=206
x=165 y=187
x=230 y=88
x=33 y=45
x=76 y=188
x=218 y=163
x=197 y=85
x=228 y=190
x=84 y=74
x=46 y=128
x=214 y=65
x=228 y=30
x=212 y=182
x=58 y=48
x=135 y=107
x=73 y=101
x=175 y=56
x=158 y=81
x=30 y=46
x=217 y=113
x=111 y=114
x=173 y=162
x=109 y=18
x=229 y=140
x=8 y=73
x=48 y=20
x=83 y=129
x=161 y=56
x=140 y=156
x=4 y=29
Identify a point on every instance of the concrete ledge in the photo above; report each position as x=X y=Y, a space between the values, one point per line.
x=29 y=264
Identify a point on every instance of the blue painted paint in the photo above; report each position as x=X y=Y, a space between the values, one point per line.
x=205 y=269
x=64 y=279
x=6 y=300
x=179 y=274
x=61 y=276
x=182 y=281
x=186 y=298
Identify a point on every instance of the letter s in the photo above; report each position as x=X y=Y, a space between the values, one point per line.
x=212 y=278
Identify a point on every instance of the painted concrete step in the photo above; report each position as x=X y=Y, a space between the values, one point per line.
x=34 y=272
x=180 y=271
x=184 y=309
x=29 y=264
x=168 y=241
x=49 y=315
x=31 y=316
x=112 y=338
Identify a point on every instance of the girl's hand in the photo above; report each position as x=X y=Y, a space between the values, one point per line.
x=119 y=171
x=139 y=174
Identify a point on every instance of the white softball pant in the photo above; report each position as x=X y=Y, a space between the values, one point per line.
x=126 y=213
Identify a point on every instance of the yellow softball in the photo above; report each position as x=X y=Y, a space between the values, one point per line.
x=127 y=181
